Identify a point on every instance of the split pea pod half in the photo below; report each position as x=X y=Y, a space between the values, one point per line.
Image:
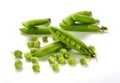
x=38 y=30
x=83 y=27
x=36 y=22
x=71 y=41
x=49 y=48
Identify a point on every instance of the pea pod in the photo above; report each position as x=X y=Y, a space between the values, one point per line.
x=71 y=41
x=68 y=20
x=83 y=19
x=83 y=27
x=40 y=30
x=35 y=22
x=48 y=49
x=87 y=13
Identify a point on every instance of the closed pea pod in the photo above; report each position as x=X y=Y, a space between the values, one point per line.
x=35 y=22
x=83 y=27
x=87 y=13
x=83 y=19
x=79 y=45
x=48 y=49
x=39 y=30
x=68 y=20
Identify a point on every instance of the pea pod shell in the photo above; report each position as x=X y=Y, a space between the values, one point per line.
x=48 y=49
x=79 y=45
x=35 y=22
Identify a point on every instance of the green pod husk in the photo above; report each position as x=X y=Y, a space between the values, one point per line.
x=83 y=19
x=39 y=30
x=36 y=22
x=49 y=49
x=68 y=20
x=71 y=41
x=87 y=13
x=83 y=27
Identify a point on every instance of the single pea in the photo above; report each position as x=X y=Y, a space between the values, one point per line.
x=30 y=44
x=37 y=44
x=68 y=55
x=55 y=67
x=34 y=60
x=32 y=50
x=57 y=55
x=53 y=37
x=44 y=38
x=34 y=38
x=61 y=60
x=71 y=61
x=83 y=60
x=63 y=50
x=28 y=56
x=51 y=60
x=36 y=67
x=18 y=54
x=18 y=64
x=92 y=48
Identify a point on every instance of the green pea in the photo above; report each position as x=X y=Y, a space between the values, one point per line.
x=83 y=60
x=18 y=64
x=44 y=38
x=28 y=56
x=55 y=67
x=63 y=50
x=69 y=37
x=57 y=55
x=51 y=60
x=33 y=50
x=61 y=60
x=37 y=44
x=92 y=48
x=18 y=54
x=34 y=38
x=68 y=55
x=34 y=60
x=71 y=61
x=36 y=67
x=30 y=44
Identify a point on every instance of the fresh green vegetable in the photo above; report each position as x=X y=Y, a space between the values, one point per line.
x=28 y=56
x=30 y=44
x=18 y=64
x=48 y=49
x=57 y=55
x=83 y=60
x=18 y=54
x=37 y=44
x=83 y=27
x=53 y=37
x=71 y=61
x=55 y=67
x=35 y=22
x=86 y=13
x=92 y=48
x=32 y=50
x=34 y=38
x=36 y=67
x=61 y=60
x=83 y=19
x=51 y=60
x=34 y=59
x=44 y=38
x=63 y=50
x=38 y=30
x=68 y=55
x=68 y=20
x=66 y=38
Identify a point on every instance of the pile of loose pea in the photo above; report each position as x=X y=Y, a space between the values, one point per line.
x=62 y=56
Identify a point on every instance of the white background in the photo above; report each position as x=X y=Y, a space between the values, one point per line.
x=105 y=70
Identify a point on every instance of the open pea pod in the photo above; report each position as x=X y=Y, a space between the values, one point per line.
x=71 y=41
